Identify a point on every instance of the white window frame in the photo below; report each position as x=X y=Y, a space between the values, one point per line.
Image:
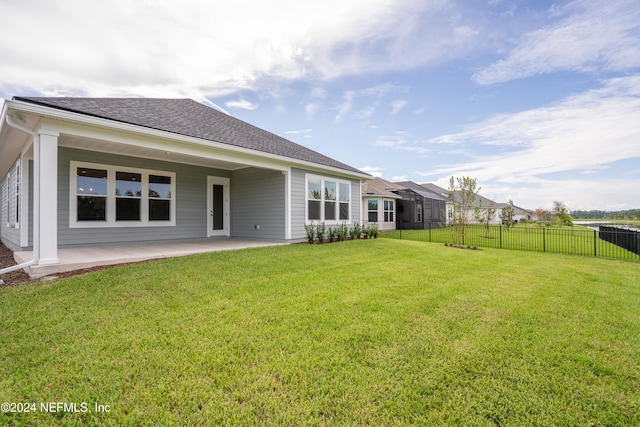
x=110 y=214
x=323 y=179
x=376 y=210
x=386 y=212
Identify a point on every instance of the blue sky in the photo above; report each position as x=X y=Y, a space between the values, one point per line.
x=538 y=100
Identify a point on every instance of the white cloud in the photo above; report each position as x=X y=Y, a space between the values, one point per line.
x=318 y=92
x=196 y=49
x=582 y=133
x=241 y=103
x=311 y=108
x=401 y=141
x=374 y=171
x=591 y=35
x=298 y=132
x=371 y=97
x=397 y=105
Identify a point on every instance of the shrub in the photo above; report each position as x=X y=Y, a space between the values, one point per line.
x=366 y=231
x=333 y=233
x=372 y=230
x=321 y=231
x=311 y=232
x=343 y=232
x=355 y=231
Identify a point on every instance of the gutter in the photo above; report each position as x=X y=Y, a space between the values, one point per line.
x=36 y=198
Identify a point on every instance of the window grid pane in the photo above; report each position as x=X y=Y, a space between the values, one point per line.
x=91 y=208
x=329 y=190
x=91 y=181
x=160 y=186
x=314 y=190
x=159 y=210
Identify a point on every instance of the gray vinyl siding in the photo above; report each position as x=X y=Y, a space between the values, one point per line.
x=298 y=200
x=356 y=201
x=191 y=201
x=10 y=236
x=297 y=204
x=258 y=199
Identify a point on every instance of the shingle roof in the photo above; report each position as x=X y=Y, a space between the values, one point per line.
x=189 y=118
x=379 y=187
x=419 y=189
x=434 y=188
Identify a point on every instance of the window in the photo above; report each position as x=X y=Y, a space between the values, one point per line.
x=159 y=198
x=11 y=196
x=330 y=191
x=345 y=195
x=314 y=197
x=91 y=194
x=372 y=210
x=419 y=211
x=328 y=199
x=388 y=210
x=128 y=195
x=111 y=196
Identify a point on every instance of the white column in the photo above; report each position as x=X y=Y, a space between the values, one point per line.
x=48 y=185
x=287 y=204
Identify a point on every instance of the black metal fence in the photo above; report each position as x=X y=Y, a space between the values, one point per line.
x=627 y=239
x=609 y=242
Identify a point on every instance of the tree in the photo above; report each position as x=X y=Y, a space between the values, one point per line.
x=543 y=216
x=508 y=215
x=561 y=213
x=486 y=215
x=462 y=193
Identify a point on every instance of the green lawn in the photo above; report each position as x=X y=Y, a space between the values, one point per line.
x=372 y=332
x=576 y=240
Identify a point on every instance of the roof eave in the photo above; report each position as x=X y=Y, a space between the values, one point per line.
x=61 y=114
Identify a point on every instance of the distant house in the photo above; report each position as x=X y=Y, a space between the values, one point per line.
x=481 y=204
x=520 y=214
x=420 y=208
x=88 y=171
x=379 y=203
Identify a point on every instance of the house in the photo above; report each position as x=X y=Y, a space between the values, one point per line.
x=480 y=205
x=520 y=214
x=420 y=208
x=379 y=201
x=91 y=171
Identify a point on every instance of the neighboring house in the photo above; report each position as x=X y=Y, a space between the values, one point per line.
x=520 y=213
x=379 y=202
x=420 y=208
x=87 y=171
x=480 y=205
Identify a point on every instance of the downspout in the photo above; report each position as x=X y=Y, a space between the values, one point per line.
x=36 y=198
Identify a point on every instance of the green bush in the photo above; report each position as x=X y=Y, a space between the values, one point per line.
x=321 y=231
x=311 y=232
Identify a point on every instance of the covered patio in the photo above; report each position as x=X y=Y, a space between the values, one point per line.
x=77 y=258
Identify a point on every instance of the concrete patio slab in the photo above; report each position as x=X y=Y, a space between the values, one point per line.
x=92 y=256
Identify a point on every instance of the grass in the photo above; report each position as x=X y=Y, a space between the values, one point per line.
x=576 y=240
x=376 y=332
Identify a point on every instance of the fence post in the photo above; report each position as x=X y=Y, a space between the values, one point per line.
x=544 y=240
x=595 y=243
x=500 y=236
x=430 y=240
x=400 y=229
